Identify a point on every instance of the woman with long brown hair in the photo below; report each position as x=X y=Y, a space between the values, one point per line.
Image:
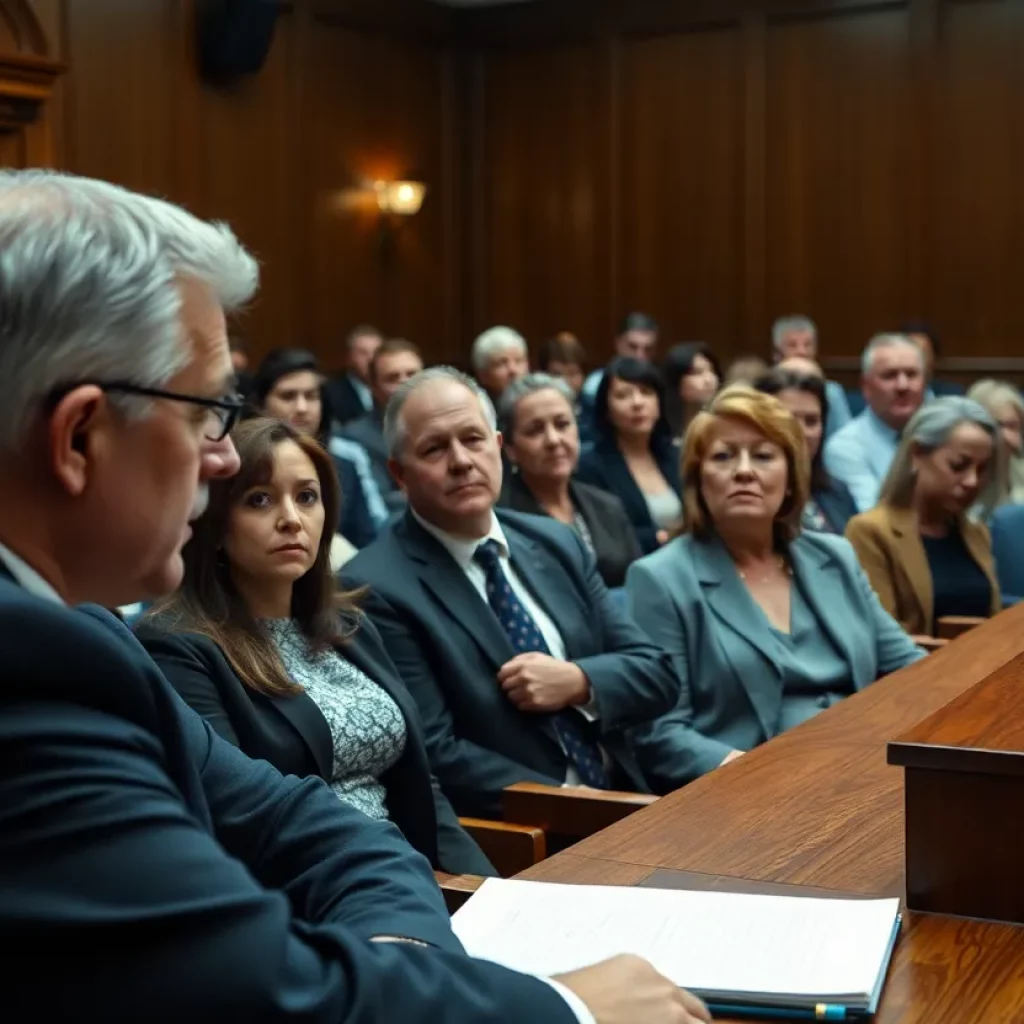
x=262 y=644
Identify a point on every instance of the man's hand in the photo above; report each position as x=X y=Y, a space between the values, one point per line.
x=627 y=990
x=538 y=682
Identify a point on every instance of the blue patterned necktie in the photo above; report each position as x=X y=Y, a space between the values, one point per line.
x=525 y=636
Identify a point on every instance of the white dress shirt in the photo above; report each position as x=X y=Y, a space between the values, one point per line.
x=860 y=455
x=27 y=577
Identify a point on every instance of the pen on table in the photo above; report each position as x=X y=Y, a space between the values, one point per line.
x=822 y=1011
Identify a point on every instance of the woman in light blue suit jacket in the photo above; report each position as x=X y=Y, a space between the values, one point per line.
x=766 y=626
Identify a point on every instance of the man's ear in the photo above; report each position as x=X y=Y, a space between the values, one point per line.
x=71 y=426
x=500 y=439
x=395 y=469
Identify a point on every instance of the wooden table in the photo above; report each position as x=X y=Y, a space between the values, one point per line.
x=819 y=806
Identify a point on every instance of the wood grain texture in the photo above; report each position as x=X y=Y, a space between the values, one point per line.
x=510 y=848
x=820 y=806
x=570 y=811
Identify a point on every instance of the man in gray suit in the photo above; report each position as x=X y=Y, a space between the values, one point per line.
x=395 y=361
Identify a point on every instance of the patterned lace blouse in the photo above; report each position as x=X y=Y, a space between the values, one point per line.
x=367 y=726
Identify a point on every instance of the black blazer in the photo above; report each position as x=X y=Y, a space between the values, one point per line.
x=615 y=543
x=167 y=876
x=293 y=735
x=603 y=466
x=448 y=646
x=837 y=505
x=345 y=403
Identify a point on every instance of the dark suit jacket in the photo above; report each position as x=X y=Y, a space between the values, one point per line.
x=837 y=505
x=448 y=646
x=293 y=735
x=604 y=467
x=165 y=876
x=615 y=543
x=355 y=523
x=345 y=403
x=368 y=431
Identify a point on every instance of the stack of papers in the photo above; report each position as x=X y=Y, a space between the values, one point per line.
x=731 y=949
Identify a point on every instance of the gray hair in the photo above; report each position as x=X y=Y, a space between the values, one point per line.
x=394 y=424
x=89 y=288
x=521 y=388
x=785 y=324
x=995 y=394
x=880 y=341
x=493 y=341
x=930 y=428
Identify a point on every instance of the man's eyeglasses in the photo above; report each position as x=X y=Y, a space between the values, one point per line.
x=223 y=412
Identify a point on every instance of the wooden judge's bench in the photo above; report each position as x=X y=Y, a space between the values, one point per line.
x=822 y=807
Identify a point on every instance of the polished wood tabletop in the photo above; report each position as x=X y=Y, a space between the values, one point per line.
x=820 y=806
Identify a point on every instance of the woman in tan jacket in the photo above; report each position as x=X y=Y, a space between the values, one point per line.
x=924 y=557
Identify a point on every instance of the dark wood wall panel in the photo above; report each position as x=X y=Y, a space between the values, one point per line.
x=837 y=147
x=541 y=206
x=351 y=90
x=681 y=148
x=856 y=160
x=977 y=227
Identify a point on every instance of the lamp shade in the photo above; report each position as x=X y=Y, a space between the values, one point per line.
x=400 y=197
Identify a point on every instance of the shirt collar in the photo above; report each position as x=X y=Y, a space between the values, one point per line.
x=880 y=426
x=27 y=577
x=459 y=548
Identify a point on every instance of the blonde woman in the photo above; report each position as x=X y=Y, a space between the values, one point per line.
x=1004 y=404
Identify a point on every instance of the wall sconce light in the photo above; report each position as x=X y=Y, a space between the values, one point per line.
x=400 y=198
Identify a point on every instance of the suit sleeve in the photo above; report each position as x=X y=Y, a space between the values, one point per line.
x=871 y=554
x=632 y=680
x=457 y=851
x=844 y=459
x=461 y=766
x=671 y=752
x=355 y=524
x=624 y=530
x=108 y=873
x=190 y=675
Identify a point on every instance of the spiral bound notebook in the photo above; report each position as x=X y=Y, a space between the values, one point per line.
x=817 y=957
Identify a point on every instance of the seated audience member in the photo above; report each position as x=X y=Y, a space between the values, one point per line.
x=692 y=376
x=892 y=379
x=797 y=337
x=394 y=361
x=745 y=370
x=159 y=872
x=766 y=625
x=349 y=392
x=524 y=668
x=1003 y=402
x=924 y=337
x=288 y=387
x=563 y=356
x=633 y=456
x=499 y=357
x=924 y=556
x=240 y=364
x=260 y=642
x=637 y=339
x=830 y=505
x=542 y=444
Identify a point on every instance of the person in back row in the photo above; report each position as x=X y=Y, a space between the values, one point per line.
x=523 y=667
x=637 y=339
x=766 y=625
x=925 y=557
x=288 y=386
x=541 y=441
x=349 y=392
x=260 y=642
x=1004 y=403
x=892 y=379
x=633 y=456
x=157 y=871
x=395 y=361
x=796 y=337
x=692 y=376
x=499 y=356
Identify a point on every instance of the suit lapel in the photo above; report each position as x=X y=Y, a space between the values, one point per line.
x=910 y=554
x=308 y=721
x=821 y=586
x=455 y=595
x=733 y=606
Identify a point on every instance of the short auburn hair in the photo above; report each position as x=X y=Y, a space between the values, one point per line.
x=767 y=415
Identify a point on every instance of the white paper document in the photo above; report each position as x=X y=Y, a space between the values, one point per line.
x=715 y=943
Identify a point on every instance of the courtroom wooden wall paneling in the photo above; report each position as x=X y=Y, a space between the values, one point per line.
x=859 y=161
x=350 y=88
